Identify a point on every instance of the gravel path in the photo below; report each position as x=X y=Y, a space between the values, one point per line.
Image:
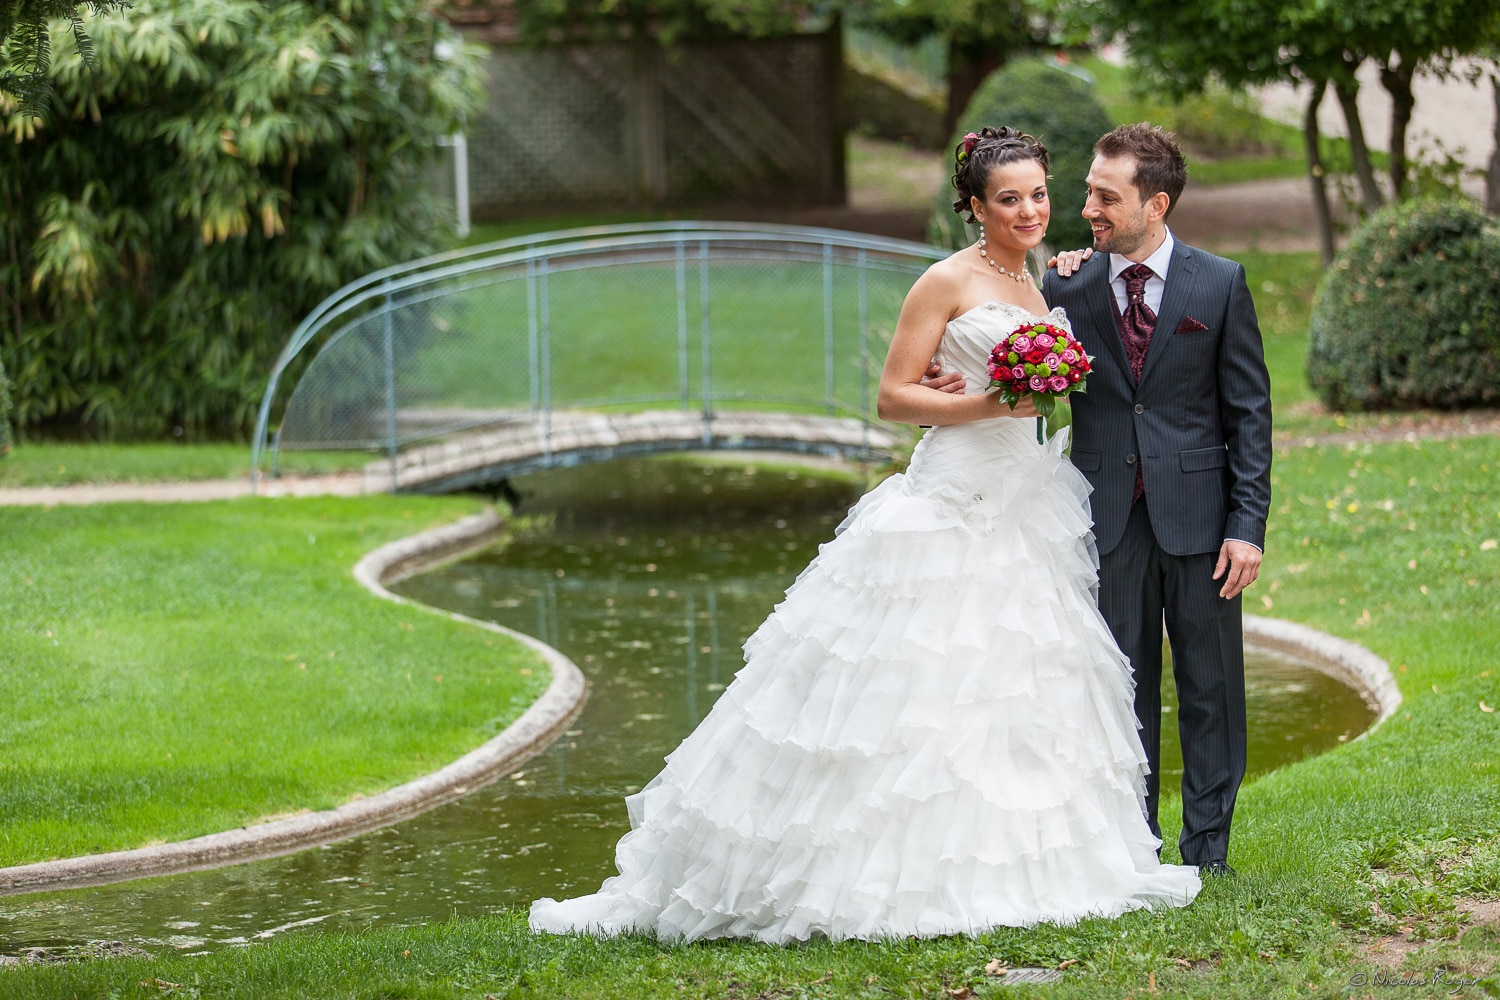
x=1382 y=429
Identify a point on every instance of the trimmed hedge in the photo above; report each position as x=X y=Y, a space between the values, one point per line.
x=1058 y=108
x=1409 y=315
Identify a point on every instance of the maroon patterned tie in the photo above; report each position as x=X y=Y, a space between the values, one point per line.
x=1136 y=326
x=1138 y=320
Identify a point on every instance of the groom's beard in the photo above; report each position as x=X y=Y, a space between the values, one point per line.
x=1123 y=239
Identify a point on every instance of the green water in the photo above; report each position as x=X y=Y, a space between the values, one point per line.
x=650 y=575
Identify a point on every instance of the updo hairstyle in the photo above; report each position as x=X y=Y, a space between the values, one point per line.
x=979 y=154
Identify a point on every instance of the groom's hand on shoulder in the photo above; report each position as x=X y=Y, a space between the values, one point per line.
x=1239 y=565
x=1069 y=261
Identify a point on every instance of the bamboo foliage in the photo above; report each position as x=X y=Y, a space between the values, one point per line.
x=174 y=215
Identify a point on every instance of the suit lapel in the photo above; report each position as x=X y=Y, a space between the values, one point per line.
x=1100 y=300
x=1180 y=279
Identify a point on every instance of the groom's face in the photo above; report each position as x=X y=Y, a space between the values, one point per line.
x=1115 y=211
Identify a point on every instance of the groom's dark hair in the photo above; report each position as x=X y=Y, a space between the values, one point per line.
x=1159 y=165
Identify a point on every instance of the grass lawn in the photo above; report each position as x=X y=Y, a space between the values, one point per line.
x=1389 y=837
x=65 y=464
x=175 y=670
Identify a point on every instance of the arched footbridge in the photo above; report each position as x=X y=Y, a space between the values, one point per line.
x=591 y=344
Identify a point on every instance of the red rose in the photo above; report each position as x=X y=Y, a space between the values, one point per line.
x=1036 y=355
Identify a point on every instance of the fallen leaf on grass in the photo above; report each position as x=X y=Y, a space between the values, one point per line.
x=827 y=978
x=1150 y=982
x=1487 y=544
x=161 y=984
x=1067 y=963
x=1182 y=963
x=1485 y=708
x=962 y=993
x=995 y=967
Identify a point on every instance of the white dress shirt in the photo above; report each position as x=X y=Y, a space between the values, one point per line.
x=1155 y=285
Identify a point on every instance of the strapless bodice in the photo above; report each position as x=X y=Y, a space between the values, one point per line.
x=969 y=338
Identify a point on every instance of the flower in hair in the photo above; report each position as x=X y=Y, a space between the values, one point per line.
x=970 y=141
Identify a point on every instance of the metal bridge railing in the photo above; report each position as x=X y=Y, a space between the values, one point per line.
x=690 y=315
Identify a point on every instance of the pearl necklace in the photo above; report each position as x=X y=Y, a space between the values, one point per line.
x=1025 y=274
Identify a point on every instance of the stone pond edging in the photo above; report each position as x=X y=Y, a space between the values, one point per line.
x=547 y=717
x=1348 y=661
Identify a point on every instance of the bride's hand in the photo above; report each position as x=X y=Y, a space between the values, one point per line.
x=1068 y=261
x=936 y=379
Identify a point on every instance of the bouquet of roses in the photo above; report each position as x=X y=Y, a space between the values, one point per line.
x=1041 y=360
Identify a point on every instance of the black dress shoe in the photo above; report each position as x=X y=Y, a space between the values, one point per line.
x=1218 y=868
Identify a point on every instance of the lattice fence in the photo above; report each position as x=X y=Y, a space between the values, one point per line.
x=634 y=123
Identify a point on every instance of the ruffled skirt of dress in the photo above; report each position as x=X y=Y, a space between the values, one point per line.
x=932 y=734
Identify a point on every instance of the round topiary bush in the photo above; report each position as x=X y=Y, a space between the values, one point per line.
x=1409 y=314
x=1058 y=108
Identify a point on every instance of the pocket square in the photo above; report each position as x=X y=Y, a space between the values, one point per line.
x=1190 y=325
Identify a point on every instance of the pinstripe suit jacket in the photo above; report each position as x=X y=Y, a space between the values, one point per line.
x=1199 y=422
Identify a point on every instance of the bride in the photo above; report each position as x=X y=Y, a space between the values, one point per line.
x=934 y=732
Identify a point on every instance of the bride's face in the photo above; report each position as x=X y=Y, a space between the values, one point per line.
x=1015 y=209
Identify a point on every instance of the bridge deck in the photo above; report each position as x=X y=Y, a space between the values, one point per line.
x=572 y=437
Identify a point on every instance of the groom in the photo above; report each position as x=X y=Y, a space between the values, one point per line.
x=1174 y=435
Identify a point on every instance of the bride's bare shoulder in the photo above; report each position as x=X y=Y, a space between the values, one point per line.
x=942 y=285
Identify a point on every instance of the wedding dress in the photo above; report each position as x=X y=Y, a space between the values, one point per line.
x=932 y=734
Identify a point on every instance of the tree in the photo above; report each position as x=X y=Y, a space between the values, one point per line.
x=166 y=225
x=1180 y=48
x=26 y=45
x=1403 y=38
x=1492 y=179
x=1321 y=43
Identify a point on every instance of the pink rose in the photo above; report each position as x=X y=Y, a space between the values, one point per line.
x=1057 y=383
x=1044 y=340
x=1018 y=372
x=1052 y=362
x=1070 y=356
x=1037 y=383
x=1021 y=344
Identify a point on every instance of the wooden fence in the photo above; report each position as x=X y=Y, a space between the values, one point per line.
x=633 y=123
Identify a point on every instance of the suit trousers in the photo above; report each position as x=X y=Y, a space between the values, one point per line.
x=1139 y=585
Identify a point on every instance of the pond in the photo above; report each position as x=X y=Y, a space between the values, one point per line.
x=649 y=574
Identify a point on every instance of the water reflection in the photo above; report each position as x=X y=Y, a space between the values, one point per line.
x=650 y=575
